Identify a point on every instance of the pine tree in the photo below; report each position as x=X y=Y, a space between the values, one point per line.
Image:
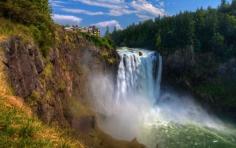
x=115 y=29
x=223 y=2
x=107 y=31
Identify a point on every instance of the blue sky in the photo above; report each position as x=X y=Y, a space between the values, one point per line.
x=120 y=13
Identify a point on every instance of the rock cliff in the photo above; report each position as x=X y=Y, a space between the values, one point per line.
x=55 y=84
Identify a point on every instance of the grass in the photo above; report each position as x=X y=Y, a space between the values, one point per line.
x=10 y=29
x=18 y=128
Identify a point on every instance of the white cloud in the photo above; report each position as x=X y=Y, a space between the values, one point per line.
x=144 y=17
x=82 y=11
x=142 y=6
x=121 y=11
x=66 y=19
x=143 y=9
x=56 y=3
x=123 y=7
x=112 y=12
x=111 y=23
x=112 y=4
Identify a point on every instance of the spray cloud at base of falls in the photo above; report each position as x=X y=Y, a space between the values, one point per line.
x=134 y=101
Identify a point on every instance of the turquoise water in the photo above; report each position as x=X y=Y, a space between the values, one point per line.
x=174 y=135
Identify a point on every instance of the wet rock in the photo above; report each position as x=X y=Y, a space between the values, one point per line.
x=140 y=53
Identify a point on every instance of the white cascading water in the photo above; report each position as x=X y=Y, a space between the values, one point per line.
x=138 y=74
x=130 y=108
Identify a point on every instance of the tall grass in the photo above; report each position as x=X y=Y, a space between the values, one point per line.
x=19 y=129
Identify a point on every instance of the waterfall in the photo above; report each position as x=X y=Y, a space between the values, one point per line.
x=128 y=109
x=138 y=74
x=159 y=76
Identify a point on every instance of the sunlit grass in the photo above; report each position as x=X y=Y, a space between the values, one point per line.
x=20 y=129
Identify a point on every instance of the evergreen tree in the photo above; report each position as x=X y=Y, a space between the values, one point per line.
x=107 y=31
x=115 y=29
x=223 y=2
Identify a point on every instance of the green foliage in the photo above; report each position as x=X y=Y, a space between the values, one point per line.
x=16 y=130
x=211 y=30
x=142 y=35
x=35 y=14
x=106 y=46
x=61 y=86
x=10 y=29
x=26 y=11
x=48 y=71
x=33 y=98
x=223 y=89
x=104 y=42
x=27 y=130
x=217 y=43
x=107 y=31
x=228 y=8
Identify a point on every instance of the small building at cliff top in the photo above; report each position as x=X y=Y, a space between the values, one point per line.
x=91 y=30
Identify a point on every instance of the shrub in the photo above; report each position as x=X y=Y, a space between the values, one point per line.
x=35 y=14
x=26 y=11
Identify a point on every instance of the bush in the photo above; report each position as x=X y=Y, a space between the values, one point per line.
x=35 y=14
x=100 y=42
x=26 y=11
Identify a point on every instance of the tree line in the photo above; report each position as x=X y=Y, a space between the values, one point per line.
x=210 y=30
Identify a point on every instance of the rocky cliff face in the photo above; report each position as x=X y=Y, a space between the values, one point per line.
x=210 y=80
x=54 y=82
x=50 y=84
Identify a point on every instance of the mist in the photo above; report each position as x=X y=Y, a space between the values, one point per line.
x=125 y=119
x=120 y=119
